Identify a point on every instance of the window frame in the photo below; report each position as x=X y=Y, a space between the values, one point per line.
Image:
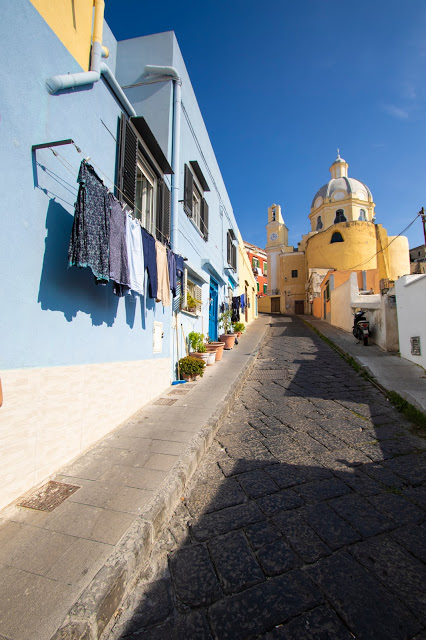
x=231 y=249
x=194 y=203
x=341 y=214
x=294 y=273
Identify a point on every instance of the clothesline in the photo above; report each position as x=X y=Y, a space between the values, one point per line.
x=73 y=171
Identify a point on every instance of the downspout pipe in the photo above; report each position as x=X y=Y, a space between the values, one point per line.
x=164 y=74
x=97 y=68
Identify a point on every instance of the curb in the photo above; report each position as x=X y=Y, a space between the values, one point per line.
x=99 y=603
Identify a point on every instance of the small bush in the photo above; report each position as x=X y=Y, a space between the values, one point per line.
x=191 y=366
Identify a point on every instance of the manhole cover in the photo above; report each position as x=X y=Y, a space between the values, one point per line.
x=49 y=496
x=270 y=374
x=165 y=401
x=179 y=391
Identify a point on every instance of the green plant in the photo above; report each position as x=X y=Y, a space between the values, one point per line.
x=225 y=321
x=239 y=326
x=191 y=366
x=196 y=340
x=191 y=303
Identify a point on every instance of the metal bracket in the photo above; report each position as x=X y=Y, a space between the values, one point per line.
x=56 y=143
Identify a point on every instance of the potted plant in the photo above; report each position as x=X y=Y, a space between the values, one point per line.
x=239 y=328
x=216 y=348
x=191 y=368
x=227 y=337
x=196 y=342
x=191 y=303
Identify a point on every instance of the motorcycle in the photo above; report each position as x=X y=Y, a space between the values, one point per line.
x=361 y=328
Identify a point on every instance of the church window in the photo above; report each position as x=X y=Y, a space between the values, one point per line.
x=273 y=215
x=319 y=224
x=362 y=215
x=340 y=216
x=336 y=237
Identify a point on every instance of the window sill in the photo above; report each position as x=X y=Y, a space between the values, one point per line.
x=190 y=313
x=200 y=233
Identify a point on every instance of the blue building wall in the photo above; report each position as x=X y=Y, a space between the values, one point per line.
x=53 y=315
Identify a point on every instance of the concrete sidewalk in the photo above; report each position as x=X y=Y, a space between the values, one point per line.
x=391 y=371
x=63 y=573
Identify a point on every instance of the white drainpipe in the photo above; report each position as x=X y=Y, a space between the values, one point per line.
x=164 y=74
x=97 y=68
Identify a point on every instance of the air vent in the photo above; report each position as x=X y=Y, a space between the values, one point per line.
x=415 y=346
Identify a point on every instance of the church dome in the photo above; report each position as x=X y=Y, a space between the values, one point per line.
x=340 y=187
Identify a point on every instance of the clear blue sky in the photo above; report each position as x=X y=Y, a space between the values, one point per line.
x=282 y=83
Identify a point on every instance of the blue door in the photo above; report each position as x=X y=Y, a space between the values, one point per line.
x=213 y=304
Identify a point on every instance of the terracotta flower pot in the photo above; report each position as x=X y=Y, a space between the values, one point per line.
x=239 y=333
x=188 y=378
x=228 y=339
x=201 y=356
x=218 y=347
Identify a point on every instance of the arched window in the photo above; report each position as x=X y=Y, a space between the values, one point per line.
x=362 y=215
x=336 y=237
x=319 y=224
x=340 y=216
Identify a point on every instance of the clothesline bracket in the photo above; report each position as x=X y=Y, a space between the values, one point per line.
x=55 y=143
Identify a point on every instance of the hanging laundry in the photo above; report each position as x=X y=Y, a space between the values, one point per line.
x=135 y=254
x=171 y=263
x=179 y=266
x=236 y=301
x=163 y=282
x=150 y=257
x=118 y=259
x=89 y=242
x=242 y=302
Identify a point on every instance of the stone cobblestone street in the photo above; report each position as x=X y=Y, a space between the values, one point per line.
x=304 y=520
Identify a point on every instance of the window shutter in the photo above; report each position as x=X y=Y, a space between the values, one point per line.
x=204 y=219
x=177 y=300
x=198 y=297
x=159 y=216
x=188 y=189
x=127 y=157
x=229 y=244
x=167 y=210
x=184 y=288
x=234 y=256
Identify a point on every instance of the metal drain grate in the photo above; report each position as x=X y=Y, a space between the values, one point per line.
x=49 y=496
x=270 y=374
x=179 y=391
x=165 y=401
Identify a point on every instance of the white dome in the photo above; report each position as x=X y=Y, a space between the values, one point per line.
x=348 y=186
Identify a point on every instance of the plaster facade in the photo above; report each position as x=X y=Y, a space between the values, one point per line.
x=77 y=356
x=247 y=280
x=411 y=309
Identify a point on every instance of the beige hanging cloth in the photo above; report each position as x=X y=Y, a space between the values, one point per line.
x=163 y=282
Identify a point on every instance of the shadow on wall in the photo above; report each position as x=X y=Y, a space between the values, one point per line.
x=72 y=290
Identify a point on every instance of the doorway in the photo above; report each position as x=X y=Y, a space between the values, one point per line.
x=275 y=305
x=213 y=308
x=299 y=306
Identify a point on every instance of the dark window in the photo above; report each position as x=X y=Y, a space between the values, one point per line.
x=257 y=284
x=340 y=216
x=319 y=224
x=362 y=215
x=327 y=291
x=265 y=288
x=194 y=203
x=336 y=237
x=294 y=273
x=231 y=249
x=140 y=179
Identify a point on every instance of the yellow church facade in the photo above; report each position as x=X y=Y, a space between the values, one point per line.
x=344 y=238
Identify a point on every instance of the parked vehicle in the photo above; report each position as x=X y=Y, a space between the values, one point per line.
x=361 y=328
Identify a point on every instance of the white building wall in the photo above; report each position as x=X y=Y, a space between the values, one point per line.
x=411 y=308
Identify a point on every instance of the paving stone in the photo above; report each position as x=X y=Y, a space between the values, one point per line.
x=193 y=626
x=235 y=563
x=398 y=508
x=194 y=578
x=206 y=497
x=219 y=522
x=361 y=515
x=301 y=536
x=383 y=475
x=154 y=607
x=359 y=482
x=413 y=539
x=322 y=490
x=166 y=630
x=320 y=623
x=335 y=531
x=259 y=608
x=261 y=533
x=396 y=569
x=370 y=611
x=281 y=501
x=277 y=557
x=257 y=483
x=411 y=468
x=417 y=495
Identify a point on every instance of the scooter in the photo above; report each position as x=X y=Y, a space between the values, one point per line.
x=361 y=328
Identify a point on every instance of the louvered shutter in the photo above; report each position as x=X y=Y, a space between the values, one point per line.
x=234 y=256
x=184 y=288
x=177 y=300
x=188 y=190
x=159 y=217
x=198 y=297
x=228 y=252
x=127 y=156
x=204 y=219
x=167 y=210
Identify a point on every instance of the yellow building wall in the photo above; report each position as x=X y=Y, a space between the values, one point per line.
x=357 y=251
x=351 y=209
x=292 y=288
x=264 y=304
x=399 y=257
x=245 y=275
x=71 y=20
x=316 y=307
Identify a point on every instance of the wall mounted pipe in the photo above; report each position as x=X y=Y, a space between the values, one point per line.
x=97 y=68
x=164 y=74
